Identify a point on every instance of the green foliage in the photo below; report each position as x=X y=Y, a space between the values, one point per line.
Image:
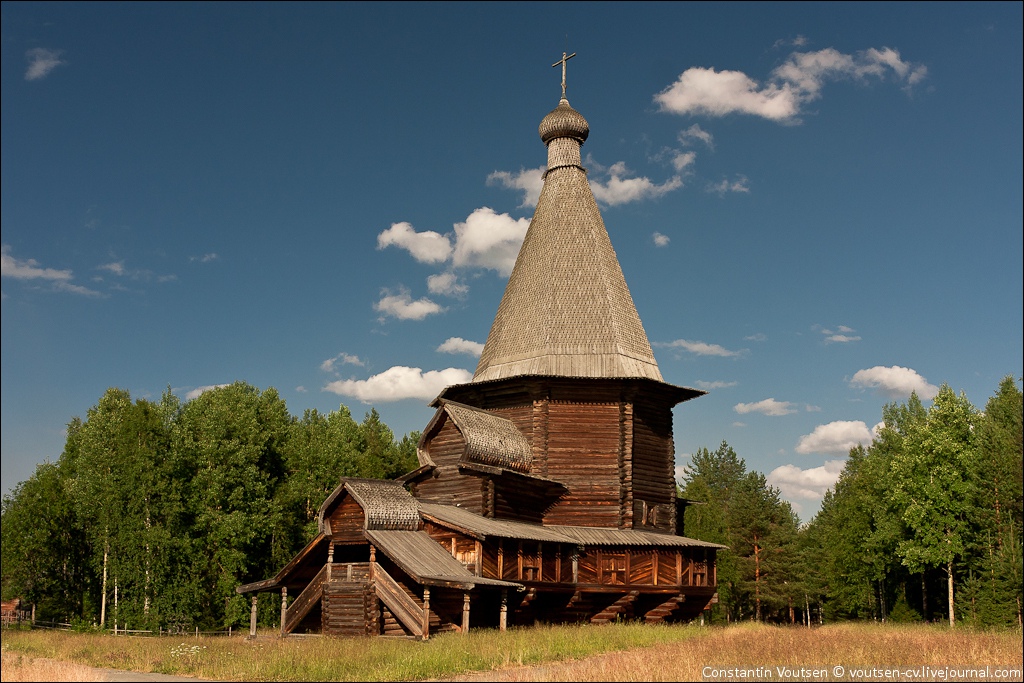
x=170 y=506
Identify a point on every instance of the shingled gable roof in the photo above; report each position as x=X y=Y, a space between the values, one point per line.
x=490 y=439
x=386 y=504
x=566 y=310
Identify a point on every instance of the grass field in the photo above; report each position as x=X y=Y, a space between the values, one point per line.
x=622 y=652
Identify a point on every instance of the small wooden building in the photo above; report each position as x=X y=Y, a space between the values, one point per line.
x=546 y=487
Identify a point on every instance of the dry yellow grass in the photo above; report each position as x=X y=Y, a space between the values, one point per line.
x=16 y=667
x=750 y=646
x=631 y=652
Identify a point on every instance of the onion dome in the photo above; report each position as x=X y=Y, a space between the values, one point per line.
x=564 y=122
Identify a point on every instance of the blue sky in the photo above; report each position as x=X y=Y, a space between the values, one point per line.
x=817 y=207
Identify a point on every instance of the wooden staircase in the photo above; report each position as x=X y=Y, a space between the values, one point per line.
x=308 y=598
x=613 y=610
x=406 y=608
x=659 y=613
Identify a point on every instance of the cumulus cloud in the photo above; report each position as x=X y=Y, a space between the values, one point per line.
x=739 y=184
x=620 y=189
x=425 y=247
x=835 y=437
x=343 y=358
x=660 y=240
x=41 y=62
x=446 y=284
x=768 y=406
x=399 y=383
x=894 y=382
x=700 y=348
x=487 y=239
x=791 y=85
x=718 y=384
x=460 y=345
x=402 y=306
x=811 y=483
x=529 y=181
x=195 y=393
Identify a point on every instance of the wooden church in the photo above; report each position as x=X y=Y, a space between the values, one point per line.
x=546 y=489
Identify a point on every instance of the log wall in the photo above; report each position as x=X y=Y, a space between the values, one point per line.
x=583 y=442
x=347 y=521
x=653 y=467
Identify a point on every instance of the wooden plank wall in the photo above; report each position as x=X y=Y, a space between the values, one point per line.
x=653 y=466
x=449 y=486
x=583 y=453
x=347 y=520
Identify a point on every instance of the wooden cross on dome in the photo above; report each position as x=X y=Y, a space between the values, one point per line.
x=562 y=61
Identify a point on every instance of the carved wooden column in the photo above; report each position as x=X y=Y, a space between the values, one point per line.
x=284 y=609
x=426 y=613
x=465 y=612
x=503 y=619
x=252 y=617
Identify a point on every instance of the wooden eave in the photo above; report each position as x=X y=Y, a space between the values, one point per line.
x=476 y=393
x=551 y=486
x=423 y=559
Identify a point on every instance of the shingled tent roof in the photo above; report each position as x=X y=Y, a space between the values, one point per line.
x=566 y=310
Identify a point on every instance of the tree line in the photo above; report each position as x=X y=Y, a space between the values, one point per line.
x=156 y=510
x=925 y=523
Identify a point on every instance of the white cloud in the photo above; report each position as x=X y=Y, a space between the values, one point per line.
x=740 y=184
x=700 y=348
x=660 y=240
x=343 y=358
x=195 y=393
x=205 y=258
x=489 y=240
x=894 y=382
x=41 y=62
x=768 y=406
x=460 y=345
x=447 y=284
x=425 y=247
x=758 y=337
x=402 y=306
x=682 y=161
x=835 y=437
x=529 y=181
x=301 y=389
x=811 y=483
x=718 y=384
x=28 y=269
x=695 y=132
x=399 y=383
x=117 y=268
x=841 y=335
x=794 y=83
x=619 y=189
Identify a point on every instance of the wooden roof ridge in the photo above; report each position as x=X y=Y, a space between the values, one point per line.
x=386 y=503
x=566 y=310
